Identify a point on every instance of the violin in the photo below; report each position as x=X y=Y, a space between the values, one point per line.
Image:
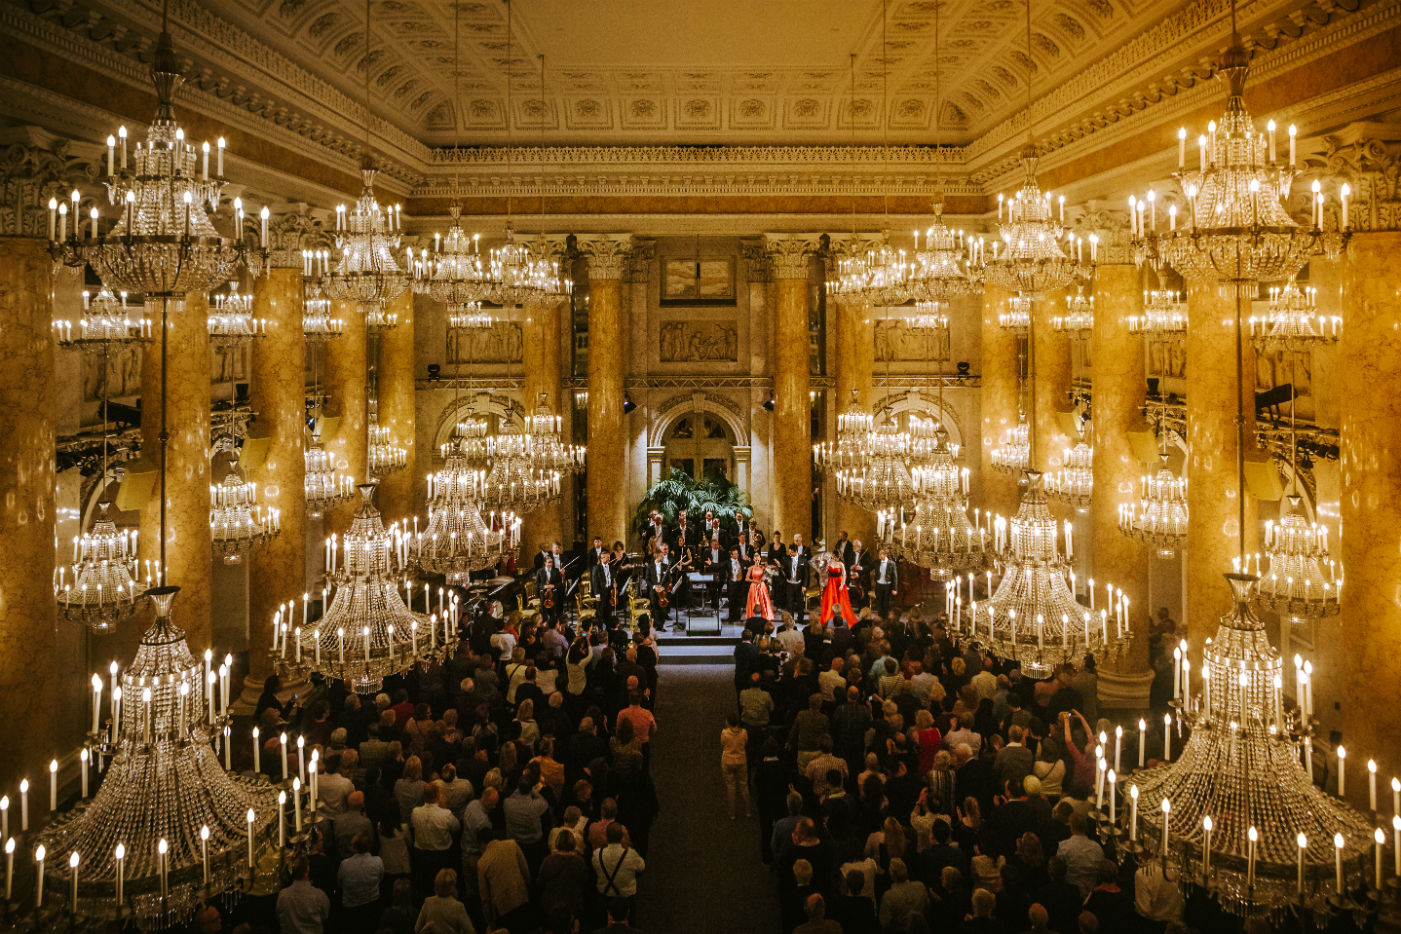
x=547 y=599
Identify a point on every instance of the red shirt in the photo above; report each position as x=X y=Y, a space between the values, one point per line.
x=641 y=719
x=929 y=741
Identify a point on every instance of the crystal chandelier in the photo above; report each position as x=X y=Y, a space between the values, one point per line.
x=1030 y=258
x=1303 y=582
x=452 y=272
x=367 y=272
x=169 y=829
x=947 y=266
x=1159 y=518
x=1013 y=455
x=1017 y=315
x=1236 y=227
x=365 y=633
x=1292 y=322
x=1243 y=819
x=872 y=273
x=460 y=539
x=318 y=325
x=1074 y=482
x=854 y=424
x=385 y=454
x=102 y=589
x=231 y=320
x=881 y=480
x=1033 y=617
x=469 y=317
x=238 y=522
x=547 y=450
x=929 y=316
x=1164 y=315
x=1079 y=318
x=325 y=485
x=106 y=320
x=512 y=484
x=940 y=536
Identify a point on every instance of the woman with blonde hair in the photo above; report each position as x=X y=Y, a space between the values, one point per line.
x=734 y=764
x=408 y=790
x=442 y=913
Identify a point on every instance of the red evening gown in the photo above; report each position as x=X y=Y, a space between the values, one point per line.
x=758 y=603
x=834 y=595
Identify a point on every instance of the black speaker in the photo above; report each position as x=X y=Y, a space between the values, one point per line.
x=964 y=367
x=434 y=371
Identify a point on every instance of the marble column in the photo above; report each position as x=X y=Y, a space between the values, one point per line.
x=541 y=365
x=1367 y=636
x=343 y=377
x=855 y=355
x=31 y=670
x=1052 y=382
x=395 y=373
x=189 y=551
x=1119 y=369
x=1001 y=388
x=792 y=379
x=608 y=438
x=277 y=392
x=1213 y=504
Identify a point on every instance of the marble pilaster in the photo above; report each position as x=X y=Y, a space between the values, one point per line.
x=1052 y=372
x=541 y=366
x=855 y=356
x=607 y=442
x=395 y=374
x=1001 y=388
x=792 y=413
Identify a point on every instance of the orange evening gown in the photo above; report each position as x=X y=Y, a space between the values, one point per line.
x=758 y=603
x=834 y=595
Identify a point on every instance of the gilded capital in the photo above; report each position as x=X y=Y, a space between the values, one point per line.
x=1111 y=229
x=607 y=253
x=789 y=253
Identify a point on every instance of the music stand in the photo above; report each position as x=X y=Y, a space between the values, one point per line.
x=703 y=580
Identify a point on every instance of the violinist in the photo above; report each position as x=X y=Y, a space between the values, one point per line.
x=716 y=564
x=603 y=579
x=659 y=583
x=549 y=587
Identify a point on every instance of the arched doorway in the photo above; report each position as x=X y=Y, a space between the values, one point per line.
x=702 y=445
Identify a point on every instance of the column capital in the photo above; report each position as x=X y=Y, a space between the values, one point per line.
x=789 y=253
x=607 y=254
x=289 y=233
x=1111 y=228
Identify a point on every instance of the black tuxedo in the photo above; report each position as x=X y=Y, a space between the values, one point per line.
x=741 y=534
x=736 y=586
x=885 y=578
x=683 y=537
x=543 y=580
x=715 y=561
x=845 y=551
x=593 y=555
x=540 y=559
x=602 y=579
x=796 y=573
x=657 y=576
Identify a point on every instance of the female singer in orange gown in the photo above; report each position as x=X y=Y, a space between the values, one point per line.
x=834 y=594
x=758 y=603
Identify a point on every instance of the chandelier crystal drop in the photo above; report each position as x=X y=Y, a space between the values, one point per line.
x=854 y=424
x=163 y=243
x=1159 y=517
x=1013 y=455
x=1241 y=768
x=1079 y=317
x=544 y=431
x=520 y=272
x=163 y=783
x=231 y=320
x=948 y=265
x=1292 y=322
x=106 y=320
x=325 y=485
x=1164 y=315
x=366 y=633
x=1033 y=617
x=1029 y=258
x=1302 y=581
x=367 y=271
x=318 y=324
x=1234 y=227
x=238 y=522
x=1016 y=316
x=881 y=479
x=99 y=589
x=1074 y=482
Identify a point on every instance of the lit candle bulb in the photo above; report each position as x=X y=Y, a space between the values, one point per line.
x=251 y=817
x=119 y=855
x=1342 y=772
x=1133 y=812
x=1253 y=836
x=39 y=855
x=1206 y=845
x=1303 y=844
x=1338 y=860
x=1167 y=814
x=74 y=859
x=204 y=851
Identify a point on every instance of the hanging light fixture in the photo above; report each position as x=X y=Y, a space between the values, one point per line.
x=1164 y=315
x=102 y=589
x=929 y=316
x=460 y=537
x=854 y=423
x=367 y=272
x=384 y=453
x=1016 y=314
x=1235 y=228
x=106 y=320
x=231 y=320
x=939 y=536
x=1302 y=581
x=1159 y=517
x=169 y=828
x=881 y=479
x=1013 y=454
x=366 y=633
x=1292 y=322
x=1030 y=258
x=318 y=324
x=1073 y=483
x=325 y=486
x=238 y=522
x=1079 y=317
x=546 y=448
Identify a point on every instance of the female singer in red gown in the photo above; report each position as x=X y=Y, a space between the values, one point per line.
x=758 y=603
x=834 y=593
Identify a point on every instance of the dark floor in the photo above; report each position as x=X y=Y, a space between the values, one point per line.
x=703 y=871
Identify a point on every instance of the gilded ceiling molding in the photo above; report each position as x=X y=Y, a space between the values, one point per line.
x=607 y=254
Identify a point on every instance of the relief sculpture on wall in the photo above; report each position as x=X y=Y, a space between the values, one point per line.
x=897 y=342
x=699 y=342
x=500 y=343
x=123 y=373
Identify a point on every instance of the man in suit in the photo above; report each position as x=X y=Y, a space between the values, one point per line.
x=887 y=582
x=778 y=589
x=795 y=576
x=710 y=528
x=742 y=529
x=803 y=550
x=658 y=578
x=602 y=576
x=842 y=549
x=549 y=586
x=541 y=555
x=736 y=587
x=715 y=563
x=859 y=567
x=654 y=532
x=596 y=551
x=683 y=537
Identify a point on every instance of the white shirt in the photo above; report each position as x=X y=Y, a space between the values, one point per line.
x=884 y=575
x=734 y=569
x=793 y=575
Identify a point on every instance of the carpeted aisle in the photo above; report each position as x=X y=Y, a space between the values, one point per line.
x=703 y=871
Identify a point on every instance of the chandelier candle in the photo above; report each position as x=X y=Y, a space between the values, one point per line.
x=1206 y=846
x=10 y=868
